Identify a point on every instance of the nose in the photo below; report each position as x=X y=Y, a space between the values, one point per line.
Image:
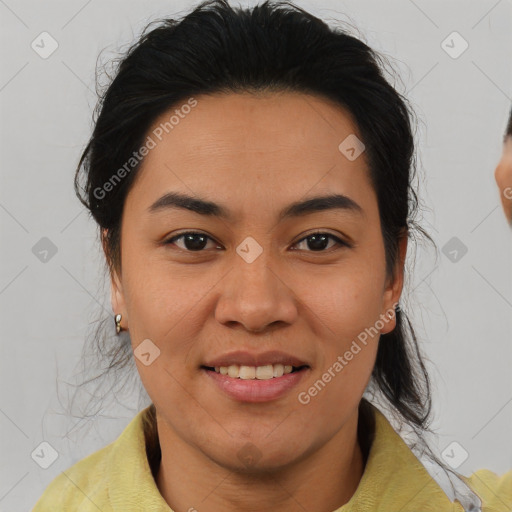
x=256 y=296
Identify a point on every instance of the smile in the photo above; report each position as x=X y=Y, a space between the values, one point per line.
x=255 y=384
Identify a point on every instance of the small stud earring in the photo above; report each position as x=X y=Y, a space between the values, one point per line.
x=118 y=323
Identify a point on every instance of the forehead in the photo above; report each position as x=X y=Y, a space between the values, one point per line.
x=271 y=147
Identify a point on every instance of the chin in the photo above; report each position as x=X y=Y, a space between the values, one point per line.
x=250 y=460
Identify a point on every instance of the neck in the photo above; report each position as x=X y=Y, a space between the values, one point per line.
x=188 y=480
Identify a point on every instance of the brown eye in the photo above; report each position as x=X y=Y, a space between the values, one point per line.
x=318 y=241
x=192 y=241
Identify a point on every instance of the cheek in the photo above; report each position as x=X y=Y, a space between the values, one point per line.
x=348 y=355
x=348 y=300
x=503 y=172
x=344 y=370
x=159 y=296
x=352 y=353
x=169 y=306
x=348 y=309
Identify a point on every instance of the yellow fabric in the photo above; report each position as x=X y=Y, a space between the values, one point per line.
x=117 y=478
x=495 y=491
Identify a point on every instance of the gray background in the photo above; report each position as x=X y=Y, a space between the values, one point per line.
x=461 y=309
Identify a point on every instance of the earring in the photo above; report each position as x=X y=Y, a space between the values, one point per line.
x=118 y=323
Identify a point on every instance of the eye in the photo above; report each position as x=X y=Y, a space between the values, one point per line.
x=319 y=241
x=193 y=241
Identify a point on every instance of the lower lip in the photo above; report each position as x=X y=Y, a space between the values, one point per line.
x=255 y=390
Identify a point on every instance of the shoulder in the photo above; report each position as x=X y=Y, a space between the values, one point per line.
x=494 y=490
x=106 y=477
x=82 y=485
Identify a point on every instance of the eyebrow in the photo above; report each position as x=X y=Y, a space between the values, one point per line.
x=178 y=200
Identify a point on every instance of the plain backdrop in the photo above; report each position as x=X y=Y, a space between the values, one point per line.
x=461 y=305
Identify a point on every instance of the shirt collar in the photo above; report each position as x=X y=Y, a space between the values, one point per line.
x=132 y=487
x=394 y=478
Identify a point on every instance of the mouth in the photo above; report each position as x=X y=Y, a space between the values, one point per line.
x=253 y=384
x=246 y=376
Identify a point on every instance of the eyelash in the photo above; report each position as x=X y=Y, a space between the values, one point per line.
x=340 y=242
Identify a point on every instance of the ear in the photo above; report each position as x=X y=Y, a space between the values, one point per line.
x=394 y=287
x=116 y=287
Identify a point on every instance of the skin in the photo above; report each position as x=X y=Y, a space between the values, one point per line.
x=503 y=176
x=255 y=155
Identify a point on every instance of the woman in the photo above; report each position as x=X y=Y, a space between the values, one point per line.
x=251 y=175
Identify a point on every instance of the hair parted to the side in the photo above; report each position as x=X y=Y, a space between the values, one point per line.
x=274 y=46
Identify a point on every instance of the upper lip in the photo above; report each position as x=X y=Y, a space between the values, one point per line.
x=244 y=358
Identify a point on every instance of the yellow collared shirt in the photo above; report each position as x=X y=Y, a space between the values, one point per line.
x=118 y=478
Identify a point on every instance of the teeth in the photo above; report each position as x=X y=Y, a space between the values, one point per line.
x=247 y=372
x=278 y=370
x=266 y=372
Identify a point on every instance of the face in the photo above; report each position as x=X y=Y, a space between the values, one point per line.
x=255 y=286
x=503 y=175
